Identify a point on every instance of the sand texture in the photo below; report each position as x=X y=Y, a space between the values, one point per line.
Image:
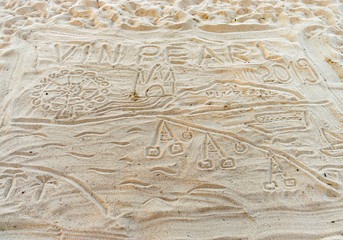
x=171 y=120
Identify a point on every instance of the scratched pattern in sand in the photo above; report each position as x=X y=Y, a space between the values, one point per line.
x=171 y=120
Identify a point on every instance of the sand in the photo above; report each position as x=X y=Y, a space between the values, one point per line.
x=183 y=119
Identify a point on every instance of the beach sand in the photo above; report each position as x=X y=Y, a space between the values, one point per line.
x=175 y=119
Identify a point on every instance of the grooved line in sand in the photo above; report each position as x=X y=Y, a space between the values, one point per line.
x=100 y=203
